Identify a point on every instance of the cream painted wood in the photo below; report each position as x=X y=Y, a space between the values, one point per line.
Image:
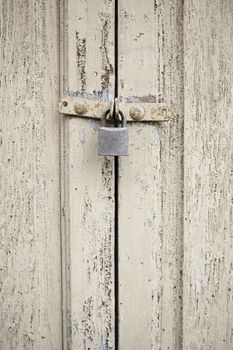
x=160 y=239
x=88 y=180
x=151 y=180
x=208 y=190
x=30 y=259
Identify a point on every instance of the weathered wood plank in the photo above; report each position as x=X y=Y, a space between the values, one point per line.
x=150 y=184
x=208 y=240
x=30 y=268
x=88 y=180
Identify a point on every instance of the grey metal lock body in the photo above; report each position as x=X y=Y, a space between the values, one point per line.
x=113 y=141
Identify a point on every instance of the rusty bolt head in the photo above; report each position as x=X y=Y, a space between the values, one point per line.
x=81 y=107
x=137 y=112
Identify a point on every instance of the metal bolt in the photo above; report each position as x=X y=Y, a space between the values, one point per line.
x=81 y=107
x=64 y=103
x=137 y=112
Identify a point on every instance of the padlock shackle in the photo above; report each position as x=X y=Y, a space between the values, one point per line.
x=123 y=118
x=105 y=114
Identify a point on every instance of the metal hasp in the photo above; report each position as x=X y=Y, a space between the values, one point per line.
x=134 y=111
x=113 y=140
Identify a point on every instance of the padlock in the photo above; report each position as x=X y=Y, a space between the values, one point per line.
x=113 y=141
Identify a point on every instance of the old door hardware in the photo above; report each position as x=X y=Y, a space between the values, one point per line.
x=134 y=112
x=113 y=140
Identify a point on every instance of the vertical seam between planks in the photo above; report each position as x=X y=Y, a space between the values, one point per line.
x=116 y=255
x=63 y=252
x=116 y=193
x=60 y=165
x=182 y=181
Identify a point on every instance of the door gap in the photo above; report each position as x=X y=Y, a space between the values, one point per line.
x=116 y=255
x=116 y=47
x=116 y=192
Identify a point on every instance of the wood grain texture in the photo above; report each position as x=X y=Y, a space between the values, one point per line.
x=208 y=240
x=88 y=180
x=30 y=266
x=151 y=180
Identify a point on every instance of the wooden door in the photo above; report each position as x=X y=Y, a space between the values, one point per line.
x=88 y=203
x=30 y=259
x=133 y=253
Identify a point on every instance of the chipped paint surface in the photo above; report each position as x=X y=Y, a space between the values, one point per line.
x=88 y=181
x=175 y=228
x=150 y=184
x=94 y=95
x=81 y=52
x=90 y=232
x=208 y=188
x=178 y=258
x=30 y=259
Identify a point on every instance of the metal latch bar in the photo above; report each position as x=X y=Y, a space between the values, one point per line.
x=90 y=108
